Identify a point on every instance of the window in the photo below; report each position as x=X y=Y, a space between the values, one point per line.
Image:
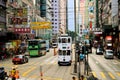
x=55 y=19
x=64 y=40
x=59 y=40
x=68 y=52
x=64 y=52
x=68 y=40
x=60 y=52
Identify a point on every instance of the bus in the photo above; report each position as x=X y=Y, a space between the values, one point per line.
x=64 y=50
x=36 y=47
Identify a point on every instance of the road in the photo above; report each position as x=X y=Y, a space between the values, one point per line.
x=104 y=69
x=45 y=65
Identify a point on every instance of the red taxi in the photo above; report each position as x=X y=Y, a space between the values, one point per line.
x=19 y=59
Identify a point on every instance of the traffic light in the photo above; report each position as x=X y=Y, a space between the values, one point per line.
x=77 y=46
x=83 y=50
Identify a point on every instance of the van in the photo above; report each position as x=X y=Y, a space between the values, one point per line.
x=108 y=54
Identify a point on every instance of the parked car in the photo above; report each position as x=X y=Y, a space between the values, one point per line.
x=3 y=74
x=20 y=59
x=108 y=53
x=99 y=51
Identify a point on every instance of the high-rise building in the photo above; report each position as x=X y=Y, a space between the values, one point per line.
x=63 y=16
x=55 y=17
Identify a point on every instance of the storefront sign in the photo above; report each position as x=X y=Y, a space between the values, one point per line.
x=22 y=30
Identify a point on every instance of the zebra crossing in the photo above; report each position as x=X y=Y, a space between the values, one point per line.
x=105 y=75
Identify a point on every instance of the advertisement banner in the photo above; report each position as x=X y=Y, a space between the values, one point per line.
x=40 y=25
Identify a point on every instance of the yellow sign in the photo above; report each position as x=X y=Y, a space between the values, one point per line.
x=40 y=25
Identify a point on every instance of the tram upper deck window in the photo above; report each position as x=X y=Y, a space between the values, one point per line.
x=68 y=40
x=64 y=40
x=59 y=40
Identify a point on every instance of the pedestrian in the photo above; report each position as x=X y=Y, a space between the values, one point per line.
x=73 y=78
x=82 y=77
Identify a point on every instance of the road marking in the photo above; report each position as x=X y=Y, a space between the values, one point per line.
x=118 y=73
x=50 y=78
x=33 y=76
x=102 y=74
x=94 y=74
x=110 y=74
x=25 y=73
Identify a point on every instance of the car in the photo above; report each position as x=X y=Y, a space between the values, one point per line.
x=3 y=74
x=99 y=51
x=20 y=59
x=108 y=53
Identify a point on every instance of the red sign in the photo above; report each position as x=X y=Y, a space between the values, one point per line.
x=22 y=30
x=108 y=38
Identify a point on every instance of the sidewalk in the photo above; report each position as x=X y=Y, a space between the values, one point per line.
x=80 y=68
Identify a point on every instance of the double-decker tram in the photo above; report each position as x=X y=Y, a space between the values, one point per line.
x=64 y=50
x=36 y=47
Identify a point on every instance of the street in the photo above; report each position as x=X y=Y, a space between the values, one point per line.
x=104 y=69
x=46 y=68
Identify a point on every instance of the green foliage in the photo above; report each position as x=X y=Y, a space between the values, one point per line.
x=72 y=34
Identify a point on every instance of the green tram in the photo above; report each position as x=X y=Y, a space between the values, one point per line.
x=36 y=47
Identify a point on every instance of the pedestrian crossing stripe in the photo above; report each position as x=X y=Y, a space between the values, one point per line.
x=102 y=74
x=110 y=74
x=118 y=73
x=94 y=74
x=44 y=77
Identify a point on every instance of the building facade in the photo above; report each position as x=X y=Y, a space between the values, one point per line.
x=55 y=17
x=119 y=24
x=63 y=17
x=109 y=21
x=3 y=15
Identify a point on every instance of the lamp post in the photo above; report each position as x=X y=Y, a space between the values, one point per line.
x=75 y=65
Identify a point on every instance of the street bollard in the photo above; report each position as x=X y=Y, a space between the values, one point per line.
x=54 y=51
x=41 y=74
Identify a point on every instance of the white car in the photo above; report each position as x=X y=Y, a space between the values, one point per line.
x=108 y=54
x=99 y=51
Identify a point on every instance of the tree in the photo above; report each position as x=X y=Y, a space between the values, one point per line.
x=72 y=34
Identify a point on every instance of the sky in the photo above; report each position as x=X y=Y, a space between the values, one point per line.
x=71 y=15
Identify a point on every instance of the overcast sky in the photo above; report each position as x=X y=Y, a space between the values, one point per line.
x=71 y=15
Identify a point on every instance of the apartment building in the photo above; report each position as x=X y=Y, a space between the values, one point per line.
x=63 y=17
x=55 y=17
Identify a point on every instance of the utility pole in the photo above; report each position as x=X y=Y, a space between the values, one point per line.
x=75 y=65
x=79 y=73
